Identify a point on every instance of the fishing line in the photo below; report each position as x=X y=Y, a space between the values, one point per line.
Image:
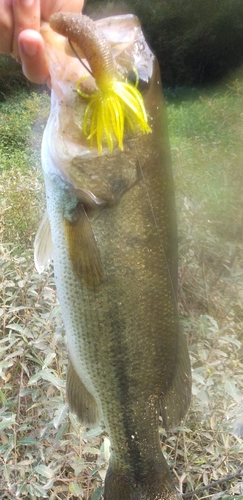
x=76 y=54
x=157 y=227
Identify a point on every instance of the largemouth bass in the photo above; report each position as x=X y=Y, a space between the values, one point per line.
x=111 y=230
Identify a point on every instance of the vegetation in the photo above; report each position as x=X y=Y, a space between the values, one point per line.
x=207 y=151
x=44 y=453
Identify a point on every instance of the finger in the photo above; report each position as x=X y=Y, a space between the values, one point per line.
x=32 y=53
x=26 y=14
x=6 y=27
x=48 y=8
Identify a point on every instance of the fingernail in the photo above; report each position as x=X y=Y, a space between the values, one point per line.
x=29 y=49
x=27 y=3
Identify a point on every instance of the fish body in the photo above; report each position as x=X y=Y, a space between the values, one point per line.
x=114 y=245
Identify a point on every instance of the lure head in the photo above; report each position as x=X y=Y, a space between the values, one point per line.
x=110 y=103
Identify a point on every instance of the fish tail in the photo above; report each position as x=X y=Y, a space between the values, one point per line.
x=157 y=485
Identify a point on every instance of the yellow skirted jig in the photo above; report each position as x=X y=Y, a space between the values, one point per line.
x=110 y=110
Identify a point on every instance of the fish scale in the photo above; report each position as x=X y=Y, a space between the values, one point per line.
x=114 y=246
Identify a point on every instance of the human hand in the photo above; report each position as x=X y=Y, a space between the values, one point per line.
x=19 y=27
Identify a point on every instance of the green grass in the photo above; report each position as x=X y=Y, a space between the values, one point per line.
x=43 y=453
x=22 y=119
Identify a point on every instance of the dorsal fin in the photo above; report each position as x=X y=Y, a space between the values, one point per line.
x=82 y=248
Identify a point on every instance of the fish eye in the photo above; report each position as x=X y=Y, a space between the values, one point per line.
x=138 y=79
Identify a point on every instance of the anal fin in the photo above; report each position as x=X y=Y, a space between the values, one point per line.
x=82 y=248
x=80 y=400
x=175 y=403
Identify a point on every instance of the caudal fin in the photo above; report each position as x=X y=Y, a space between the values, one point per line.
x=155 y=485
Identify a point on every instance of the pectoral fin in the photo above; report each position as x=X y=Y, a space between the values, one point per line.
x=176 y=401
x=80 y=400
x=82 y=248
x=43 y=245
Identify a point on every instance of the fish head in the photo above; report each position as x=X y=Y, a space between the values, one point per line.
x=80 y=128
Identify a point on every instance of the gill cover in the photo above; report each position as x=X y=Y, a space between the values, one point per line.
x=116 y=104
